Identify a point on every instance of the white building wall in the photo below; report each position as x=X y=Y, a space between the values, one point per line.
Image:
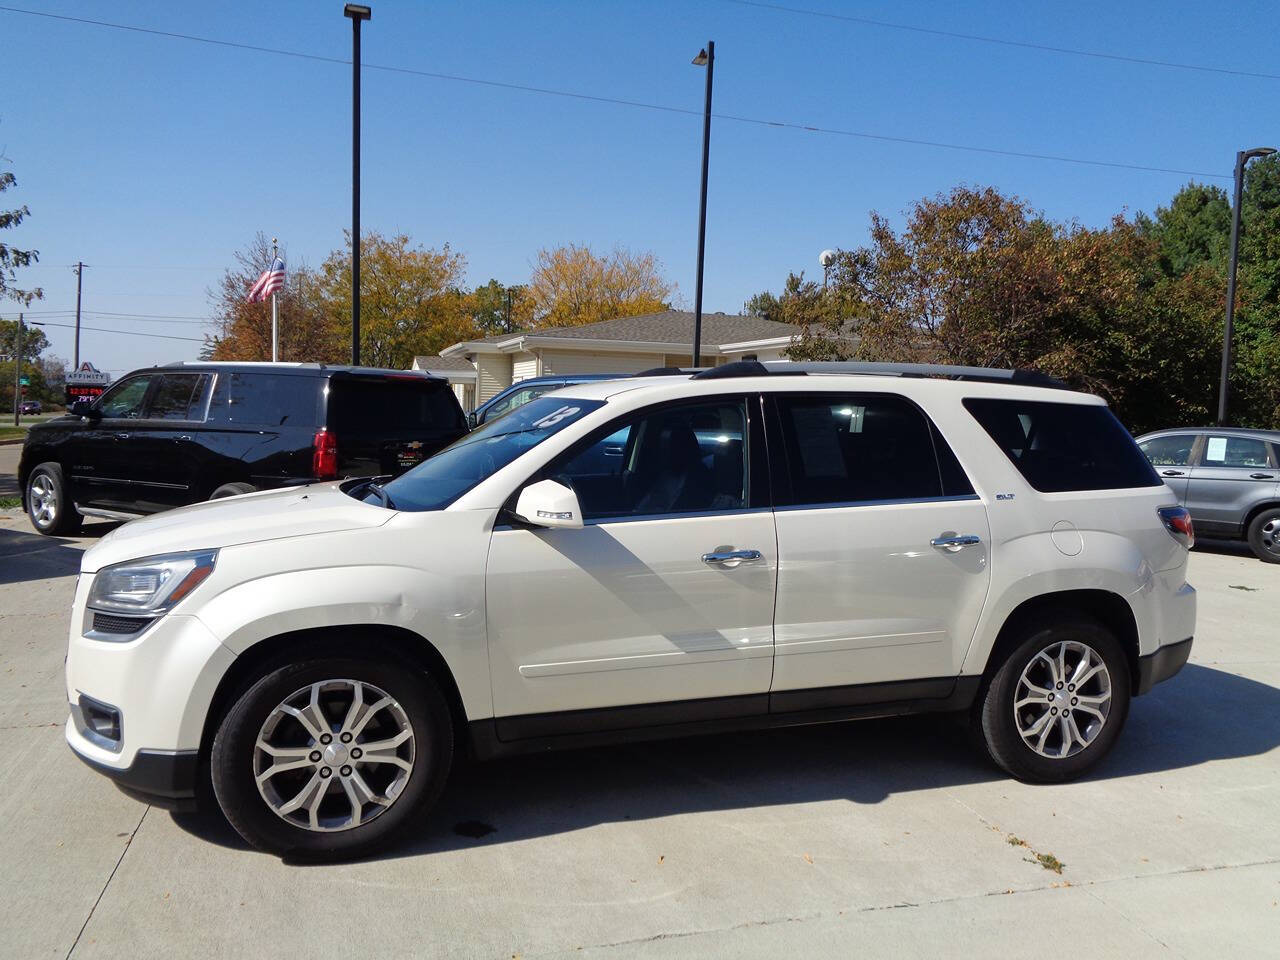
x=493 y=375
x=523 y=366
x=572 y=361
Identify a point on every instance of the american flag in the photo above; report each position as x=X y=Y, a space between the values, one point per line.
x=272 y=279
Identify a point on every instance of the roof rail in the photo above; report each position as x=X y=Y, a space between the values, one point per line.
x=670 y=372
x=753 y=368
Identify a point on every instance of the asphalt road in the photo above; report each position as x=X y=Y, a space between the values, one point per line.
x=884 y=838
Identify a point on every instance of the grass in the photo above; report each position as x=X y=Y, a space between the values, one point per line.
x=1046 y=860
x=8 y=503
x=12 y=433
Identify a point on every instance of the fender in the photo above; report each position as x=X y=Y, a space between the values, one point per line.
x=1107 y=562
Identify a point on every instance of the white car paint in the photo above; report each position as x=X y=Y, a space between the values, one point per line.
x=538 y=621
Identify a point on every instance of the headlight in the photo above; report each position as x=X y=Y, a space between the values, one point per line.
x=152 y=585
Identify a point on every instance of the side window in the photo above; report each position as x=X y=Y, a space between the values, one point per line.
x=263 y=399
x=125 y=399
x=853 y=448
x=1234 y=452
x=180 y=396
x=1172 y=451
x=686 y=459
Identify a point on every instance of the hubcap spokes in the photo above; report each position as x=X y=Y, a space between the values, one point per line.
x=334 y=755
x=1270 y=540
x=1062 y=699
x=44 y=500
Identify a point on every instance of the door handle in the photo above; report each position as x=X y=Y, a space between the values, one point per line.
x=1172 y=473
x=955 y=543
x=122 y=436
x=1262 y=476
x=732 y=556
x=182 y=439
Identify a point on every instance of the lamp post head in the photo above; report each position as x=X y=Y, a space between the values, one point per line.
x=701 y=59
x=826 y=258
x=1256 y=152
x=357 y=11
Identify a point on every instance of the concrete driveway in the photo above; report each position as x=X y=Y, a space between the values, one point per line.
x=885 y=838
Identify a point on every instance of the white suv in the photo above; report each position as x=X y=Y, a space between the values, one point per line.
x=748 y=546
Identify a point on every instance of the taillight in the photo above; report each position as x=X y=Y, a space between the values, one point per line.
x=1178 y=522
x=324 y=455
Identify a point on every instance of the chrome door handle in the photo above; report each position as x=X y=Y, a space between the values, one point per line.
x=955 y=543
x=1172 y=473
x=122 y=436
x=732 y=556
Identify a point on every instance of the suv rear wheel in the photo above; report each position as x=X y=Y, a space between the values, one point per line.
x=331 y=758
x=48 y=504
x=1056 y=705
x=1264 y=536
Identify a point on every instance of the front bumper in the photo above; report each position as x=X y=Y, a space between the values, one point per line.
x=1161 y=665
x=161 y=778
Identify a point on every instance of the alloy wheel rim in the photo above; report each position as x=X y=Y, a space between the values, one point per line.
x=43 y=497
x=1063 y=699
x=334 y=755
x=1271 y=536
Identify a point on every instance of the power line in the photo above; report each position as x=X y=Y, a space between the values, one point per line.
x=1024 y=44
x=127 y=333
x=636 y=104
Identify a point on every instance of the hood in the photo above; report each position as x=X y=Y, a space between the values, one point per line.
x=270 y=515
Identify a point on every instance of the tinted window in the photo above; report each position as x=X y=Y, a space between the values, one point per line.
x=125 y=399
x=518 y=398
x=437 y=482
x=1169 y=451
x=1064 y=446
x=179 y=396
x=266 y=400
x=685 y=459
x=851 y=448
x=392 y=406
x=1234 y=452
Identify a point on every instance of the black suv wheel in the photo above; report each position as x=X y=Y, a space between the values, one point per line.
x=48 y=504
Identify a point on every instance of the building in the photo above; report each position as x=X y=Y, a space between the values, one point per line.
x=479 y=369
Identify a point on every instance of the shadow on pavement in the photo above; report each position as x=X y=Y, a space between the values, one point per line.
x=1203 y=714
x=1226 y=548
x=26 y=555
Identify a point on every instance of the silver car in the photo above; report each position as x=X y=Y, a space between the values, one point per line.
x=1227 y=477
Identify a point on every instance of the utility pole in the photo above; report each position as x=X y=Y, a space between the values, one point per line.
x=508 y=323
x=79 y=279
x=705 y=58
x=17 y=374
x=357 y=13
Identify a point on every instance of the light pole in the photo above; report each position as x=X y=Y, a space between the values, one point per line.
x=1242 y=157
x=357 y=13
x=705 y=58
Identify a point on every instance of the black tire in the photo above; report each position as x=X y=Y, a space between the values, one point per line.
x=994 y=720
x=1264 y=536
x=233 y=757
x=49 y=505
x=232 y=490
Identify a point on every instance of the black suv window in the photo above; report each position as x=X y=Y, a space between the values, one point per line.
x=179 y=396
x=266 y=400
x=855 y=448
x=125 y=400
x=392 y=406
x=685 y=459
x=1064 y=446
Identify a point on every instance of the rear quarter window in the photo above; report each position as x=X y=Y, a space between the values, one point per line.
x=1060 y=447
x=266 y=400
x=392 y=406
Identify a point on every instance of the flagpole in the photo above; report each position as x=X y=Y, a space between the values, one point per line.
x=275 y=313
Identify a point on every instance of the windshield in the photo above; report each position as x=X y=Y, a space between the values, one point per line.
x=438 y=481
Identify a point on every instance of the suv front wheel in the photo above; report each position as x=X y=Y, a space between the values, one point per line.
x=331 y=758
x=1057 y=703
x=49 y=504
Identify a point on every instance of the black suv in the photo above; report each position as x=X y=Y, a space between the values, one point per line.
x=173 y=435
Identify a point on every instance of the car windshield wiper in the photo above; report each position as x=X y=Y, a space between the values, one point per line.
x=381 y=492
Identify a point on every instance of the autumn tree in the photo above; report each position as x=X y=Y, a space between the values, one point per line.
x=11 y=258
x=572 y=286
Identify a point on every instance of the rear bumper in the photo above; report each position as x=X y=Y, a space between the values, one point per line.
x=1161 y=665
x=161 y=778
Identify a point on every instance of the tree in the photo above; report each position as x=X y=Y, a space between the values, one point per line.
x=1192 y=230
x=34 y=341
x=501 y=309
x=572 y=286
x=11 y=258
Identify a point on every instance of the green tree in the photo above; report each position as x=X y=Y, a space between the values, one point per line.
x=497 y=308
x=11 y=258
x=1193 y=230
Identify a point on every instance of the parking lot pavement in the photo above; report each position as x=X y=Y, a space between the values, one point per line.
x=10 y=454
x=885 y=838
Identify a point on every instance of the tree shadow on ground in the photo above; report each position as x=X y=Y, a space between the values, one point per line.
x=26 y=555
x=1202 y=715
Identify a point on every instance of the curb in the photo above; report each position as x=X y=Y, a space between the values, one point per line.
x=11 y=442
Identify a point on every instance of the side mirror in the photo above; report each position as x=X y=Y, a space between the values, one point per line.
x=549 y=504
x=471 y=420
x=83 y=408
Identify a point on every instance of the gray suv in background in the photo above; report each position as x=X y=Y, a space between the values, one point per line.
x=1227 y=477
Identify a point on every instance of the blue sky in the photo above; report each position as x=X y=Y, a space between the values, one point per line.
x=153 y=159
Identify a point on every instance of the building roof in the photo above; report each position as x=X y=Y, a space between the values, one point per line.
x=669 y=328
x=460 y=364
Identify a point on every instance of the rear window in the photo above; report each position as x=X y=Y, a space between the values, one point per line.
x=392 y=406
x=266 y=400
x=1060 y=447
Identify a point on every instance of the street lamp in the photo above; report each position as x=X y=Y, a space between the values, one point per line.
x=1242 y=157
x=357 y=13
x=705 y=58
x=826 y=258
